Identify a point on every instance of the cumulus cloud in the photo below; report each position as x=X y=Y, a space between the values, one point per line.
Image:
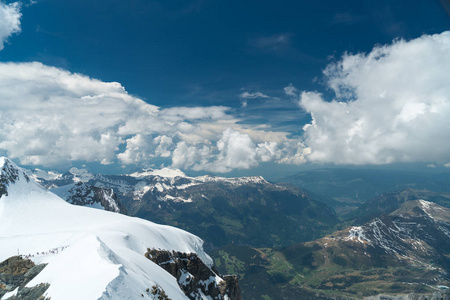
x=236 y=150
x=187 y=156
x=391 y=105
x=52 y=117
x=9 y=21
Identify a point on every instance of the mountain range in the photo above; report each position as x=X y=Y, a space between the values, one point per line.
x=282 y=241
x=55 y=250
x=245 y=210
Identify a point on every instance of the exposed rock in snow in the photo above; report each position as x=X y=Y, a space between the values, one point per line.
x=412 y=233
x=196 y=279
x=357 y=234
x=87 y=195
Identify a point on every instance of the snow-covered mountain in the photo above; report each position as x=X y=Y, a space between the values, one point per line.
x=91 y=253
x=166 y=183
x=417 y=233
x=220 y=210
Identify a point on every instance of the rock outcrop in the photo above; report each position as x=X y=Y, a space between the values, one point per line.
x=15 y=273
x=84 y=194
x=194 y=277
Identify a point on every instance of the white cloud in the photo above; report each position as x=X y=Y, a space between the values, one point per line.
x=246 y=95
x=391 y=105
x=291 y=91
x=9 y=21
x=49 y=116
x=195 y=157
x=138 y=149
x=236 y=150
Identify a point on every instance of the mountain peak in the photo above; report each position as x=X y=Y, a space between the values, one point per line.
x=6 y=161
x=16 y=186
x=10 y=173
x=420 y=207
x=164 y=172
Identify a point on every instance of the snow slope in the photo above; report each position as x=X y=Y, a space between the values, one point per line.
x=91 y=253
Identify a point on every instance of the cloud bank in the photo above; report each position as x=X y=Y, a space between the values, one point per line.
x=9 y=21
x=391 y=105
x=52 y=117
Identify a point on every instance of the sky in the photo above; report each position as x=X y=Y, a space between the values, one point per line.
x=224 y=86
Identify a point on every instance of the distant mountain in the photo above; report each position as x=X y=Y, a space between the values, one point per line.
x=245 y=210
x=64 y=251
x=406 y=251
x=418 y=233
x=389 y=202
x=346 y=189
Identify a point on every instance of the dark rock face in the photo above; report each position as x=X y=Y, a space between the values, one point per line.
x=194 y=277
x=85 y=194
x=230 y=286
x=16 y=272
x=8 y=174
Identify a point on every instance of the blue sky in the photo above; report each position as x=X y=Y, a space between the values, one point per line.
x=207 y=52
x=234 y=57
